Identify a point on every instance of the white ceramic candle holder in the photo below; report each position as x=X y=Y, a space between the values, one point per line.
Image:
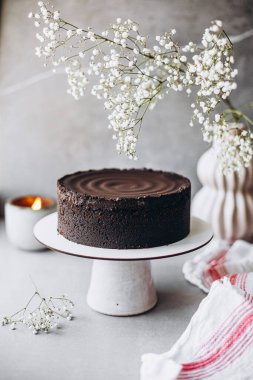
x=21 y=214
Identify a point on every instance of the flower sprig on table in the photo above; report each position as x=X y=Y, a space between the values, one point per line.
x=44 y=317
x=133 y=76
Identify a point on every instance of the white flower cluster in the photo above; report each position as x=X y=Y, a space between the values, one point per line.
x=234 y=146
x=44 y=317
x=54 y=35
x=129 y=87
x=212 y=73
x=133 y=76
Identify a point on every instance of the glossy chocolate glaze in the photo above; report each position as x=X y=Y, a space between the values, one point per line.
x=132 y=183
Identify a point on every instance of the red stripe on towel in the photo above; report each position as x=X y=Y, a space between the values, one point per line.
x=231 y=340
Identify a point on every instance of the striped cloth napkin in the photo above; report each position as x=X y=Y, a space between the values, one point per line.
x=218 y=342
x=218 y=260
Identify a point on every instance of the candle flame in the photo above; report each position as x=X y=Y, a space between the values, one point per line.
x=37 y=204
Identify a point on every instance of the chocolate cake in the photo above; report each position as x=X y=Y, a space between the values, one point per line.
x=113 y=208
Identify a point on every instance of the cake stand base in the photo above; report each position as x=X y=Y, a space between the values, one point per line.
x=121 y=282
x=121 y=288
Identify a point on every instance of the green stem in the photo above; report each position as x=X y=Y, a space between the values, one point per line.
x=236 y=116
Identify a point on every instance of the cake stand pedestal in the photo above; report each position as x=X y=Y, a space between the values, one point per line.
x=121 y=288
x=121 y=280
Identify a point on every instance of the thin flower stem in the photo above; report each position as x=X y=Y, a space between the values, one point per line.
x=250 y=121
x=238 y=115
x=232 y=108
x=228 y=38
x=148 y=76
x=133 y=41
x=13 y=315
x=108 y=40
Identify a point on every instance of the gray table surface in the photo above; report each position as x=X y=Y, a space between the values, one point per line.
x=92 y=346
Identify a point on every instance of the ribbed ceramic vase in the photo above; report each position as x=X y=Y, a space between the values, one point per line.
x=225 y=201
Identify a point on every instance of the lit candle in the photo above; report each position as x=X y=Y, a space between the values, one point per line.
x=21 y=214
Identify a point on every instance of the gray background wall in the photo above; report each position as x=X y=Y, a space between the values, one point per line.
x=45 y=133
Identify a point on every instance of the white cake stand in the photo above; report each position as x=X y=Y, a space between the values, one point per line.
x=121 y=281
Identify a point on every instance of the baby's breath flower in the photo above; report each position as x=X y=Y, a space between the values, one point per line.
x=133 y=76
x=44 y=317
x=234 y=146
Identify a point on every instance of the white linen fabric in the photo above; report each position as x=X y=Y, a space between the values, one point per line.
x=218 y=260
x=218 y=342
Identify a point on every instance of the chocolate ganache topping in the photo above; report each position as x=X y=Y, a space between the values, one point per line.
x=116 y=183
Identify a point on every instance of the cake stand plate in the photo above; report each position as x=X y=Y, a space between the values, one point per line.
x=121 y=281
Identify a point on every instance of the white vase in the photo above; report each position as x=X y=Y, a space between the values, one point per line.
x=225 y=201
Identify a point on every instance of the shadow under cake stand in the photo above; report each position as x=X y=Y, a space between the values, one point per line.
x=121 y=281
